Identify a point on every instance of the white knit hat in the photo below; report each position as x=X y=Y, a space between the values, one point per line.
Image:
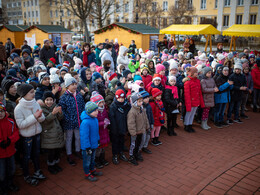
x=53 y=71
x=67 y=75
x=173 y=64
x=69 y=81
x=54 y=78
x=43 y=68
x=238 y=65
x=171 y=78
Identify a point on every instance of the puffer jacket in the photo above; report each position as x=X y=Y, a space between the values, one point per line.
x=239 y=81
x=208 y=89
x=72 y=107
x=52 y=134
x=193 y=94
x=107 y=55
x=88 y=131
x=121 y=59
x=223 y=95
x=103 y=132
x=156 y=114
x=150 y=70
x=170 y=103
x=256 y=76
x=146 y=80
x=137 y=121
x=23 y=113
x=110 y=97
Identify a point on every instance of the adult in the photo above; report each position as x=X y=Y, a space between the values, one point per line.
x=192 y=47
x=3 y=55
x=163 y=44
x=246 y=51
x=106 y=54
x=98 y=51
x=27 y=59
x=46 y=52
x=8 y=47
x=132 y=47
x=26 y=46
x=53 y=46
x=122 y=57
x=88 y=56
x=106 y=42
x=171 y=43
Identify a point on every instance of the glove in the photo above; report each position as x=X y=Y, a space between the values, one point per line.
x=88 y=151
x=8 y=142
x=3 y=144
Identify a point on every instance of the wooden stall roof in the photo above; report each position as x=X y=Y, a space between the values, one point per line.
x=49 y=28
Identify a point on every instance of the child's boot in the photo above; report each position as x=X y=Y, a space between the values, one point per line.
x=57 y=167
x=139 y=157
x=158 y=142
x=98 y=163
x=186 y=128
x=207 y=125
x=173 y=132
x=203 y=125
x=169 y=132
x=132 y=160
x=71 y=160
x=191 y=129
x=103 y=161
x=115 y=159
x=154 y=142
x=90 y=177
x=52 y=169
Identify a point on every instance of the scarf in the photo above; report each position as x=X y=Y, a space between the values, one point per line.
x=27 y=104
x=174 y=91
x=11 y=97
x=85 y=58
x=101 y=109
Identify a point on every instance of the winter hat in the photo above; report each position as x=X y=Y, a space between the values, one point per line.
x=244 y=61
x=96 y=97
x=202 y=57
x=126 y=72
x=77 y=60
x=242 y=54
x=45 y=41
x=166 y=51
x=144 y=93
x=69 y=81
x=43 y=68
x=14 y=55
x=114 y=82
x=96 y=75
x=156 y=77
x=66 y=64
x=92 y=65
x=135 y=96
x=98 y=68
x=53 y=71
x=238 y=65
x=171 y=78
x=143 y=67
x=42 y=75
x=120 y=94
x=164 y=56
x=2 y=106
x=67 y=75
x=230 y=55
x=114 y=75
x=23 y=89
x=54 y=78
x=26 y=51
x=90 y=107
x=159 y=68
x=225 y=68
x=6 y=84
x=135 y=87
x=52 y=60
x=47 y=94
x=36 y=68
x=137 y=77
x=192 y=70
x=69 y=46
x=156 y=92
x=205 y=70
x=64 y=68
x=251 y=56
x=189 y=56
x=30 y=70
x=186 y=66
x=173 y=65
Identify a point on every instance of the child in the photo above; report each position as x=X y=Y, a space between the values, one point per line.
x=160 y=69
x=145 y=76
x=256 y=80
x=9 y=134
x=52 y=134
x=156 y=83
x=137 y=124
x=44 y=85
x=118 y=117
x=208 y=88
x=51 y=63
x=69 y=55
x=85 y=83
x=133 y=65
x=64 y=70
x=158 y=114
x=97 y=84
x=103 y=122
x=28 y=116
x=150 y=65
x=111 y=93
x=89 y=138
x=172 y=102
x=149 y=114
x=193 y=97
x=236 y=93
x=72 y=104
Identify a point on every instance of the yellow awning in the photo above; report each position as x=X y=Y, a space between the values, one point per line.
x=190 y=29
x=243 y=30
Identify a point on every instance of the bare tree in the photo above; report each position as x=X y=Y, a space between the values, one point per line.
x=101 y=10
x=3 y=14
x=209 y=21
x=157 y=15
x=144 y=9
x=182 y=11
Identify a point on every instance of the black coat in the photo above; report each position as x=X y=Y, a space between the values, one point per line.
x=239 y=81
x=46 y=54
x=27 y=47
x=149 y=113
x=170 y=103
x=118 y=117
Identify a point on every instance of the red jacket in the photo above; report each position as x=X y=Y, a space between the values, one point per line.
x=8 y=129
x=156 y=114
x=193 y=94
x=256 y=76
x=146 y=80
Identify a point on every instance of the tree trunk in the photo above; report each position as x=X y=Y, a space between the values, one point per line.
x=86 y=32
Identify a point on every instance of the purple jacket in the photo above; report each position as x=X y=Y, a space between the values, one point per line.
x=103 y=132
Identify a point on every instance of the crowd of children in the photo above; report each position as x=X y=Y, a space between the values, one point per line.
x=50 y=106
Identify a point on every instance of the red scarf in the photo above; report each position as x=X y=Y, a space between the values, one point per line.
x=85 y=58
x=174 y=91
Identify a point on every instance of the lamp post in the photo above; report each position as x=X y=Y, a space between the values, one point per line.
x=136 y=14
x=60 y=16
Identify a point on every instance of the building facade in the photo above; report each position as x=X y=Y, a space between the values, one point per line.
x=13 y=11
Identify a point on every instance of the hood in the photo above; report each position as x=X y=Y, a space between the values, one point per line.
x=84 y=116
x=148 y=61
x=122 y=50
x=103 y=52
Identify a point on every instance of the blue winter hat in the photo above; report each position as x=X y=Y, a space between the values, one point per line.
x=144 y=93
x=35 y=47
x=69 y=46
x=90 y=107
x=64 y=69
x=14 y=55
x=137 y=77
x=96 y=75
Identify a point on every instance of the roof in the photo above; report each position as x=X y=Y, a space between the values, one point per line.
x=190 y=29
x=50 y=28
x=243 y=30
x=136 y=28
x=14 y=28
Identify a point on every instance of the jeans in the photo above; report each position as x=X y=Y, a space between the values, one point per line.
x=31 y=147
x=243 y=103
x=147 y=136
x=256 y=97
x=189 y=116
x=69 y=136
x=7 y=170
x=118 y=142
x=88 y=161
x=234 y=105
x=136 y=144
x=219 y=112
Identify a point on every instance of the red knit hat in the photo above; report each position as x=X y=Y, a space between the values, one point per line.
x=52 y=60
x=66 y=64
x=156 y=92
x=96 y=97
x=156 y=77
x=120 y=93
x=112 y=76
x=2 y=106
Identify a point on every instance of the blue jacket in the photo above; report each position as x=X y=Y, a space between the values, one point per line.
x=223 y=96
x=89 y=132
x=72 y=108
x=149 y=113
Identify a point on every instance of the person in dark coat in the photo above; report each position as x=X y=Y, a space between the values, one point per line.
x=3 y=55
x=132 y=47
x=44 y=85
x=26 y=46
x=46 y=52
x=8 y=47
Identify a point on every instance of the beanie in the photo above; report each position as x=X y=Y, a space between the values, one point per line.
x=135 y=96
x=69 y=81
x=14 y=55
x=23 y=89
x=30 y=70
x=96 y=97
x=192 y=70
x=52 y=60
x=43 y=67
x=143 y=67
x=69 y=46
x=92 y=65
x=47 y=94
x=170 y=78
x=67 y=75
x=2 y=106
x=53 y=71
x=36 y=68
x=126 y=72
x=114 y=82
x=225 y=68
x=242 y=54
x=54 y=78
x=173 y=65
x=120 y=94
x=159 y=68
x=205 y=70
x=156 y=92
x=90 y=107
x=6 y=84
x=45 y=41
x=64 y=68
x=137 y=78
x=66 y=64
x=42 y=75
x=96 y=75
x=238 y=65
x=26 y=51
x=98 y=68
x=156 y=77
x=144 y=93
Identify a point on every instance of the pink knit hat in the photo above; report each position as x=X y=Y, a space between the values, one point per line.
x=159 y=68
x=96 y=97
x=98 y=68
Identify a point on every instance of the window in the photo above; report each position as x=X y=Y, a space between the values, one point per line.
x=240 y=2
x=239 y=19
x=24 y=14
x=20 y=13
x=202 y=19
x=19 y=4
x=176 y=4
x=154 y=22
x=62 y=13
x=56 y=13
x=93 y=22
x=56 y=2
x=252 y=19
x=164 y=22
x=117 y=8
x=203 y=4
x=68 y=1
x=126 y=20
x=51 y=14
x=127 y=7
x=32 y=13
x=36 y=3
x=36 y=13
x=143 y=21
x=33 y=23
x=68 y=12
x=30 y=23
x=190 y=4
x=165 y=6
x=32 y=2
x=37 y=22
x=254 y=2
x=216 y=4
x=14 y=4
x=227 y=3
x=75 y=24
x=24 y=4
x=108 y=21
x=57 y=23
x=225 y=20
x=154 y=5
x=144 y=7
x=50 y=2
x=29 y=14
x=28 y=3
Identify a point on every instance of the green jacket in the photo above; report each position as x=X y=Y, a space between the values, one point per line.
x=52 y=134
x=98 y=59
x=132 y=67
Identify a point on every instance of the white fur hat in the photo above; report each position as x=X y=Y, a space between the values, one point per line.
x=53 y=71
x=54 y=78
x=67 y=75
x=173 y=64
x=171 y=78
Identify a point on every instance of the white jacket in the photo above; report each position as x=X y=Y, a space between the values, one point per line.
x=107 y=55
x=28 y=125
x=121 y=59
